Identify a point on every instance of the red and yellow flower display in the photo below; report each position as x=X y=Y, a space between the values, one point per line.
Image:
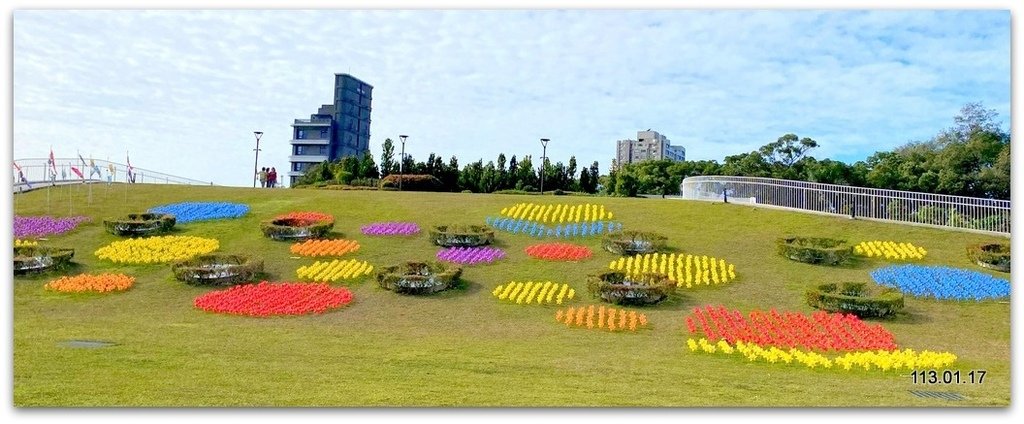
x=102 y=283
x=559 y=251
x=335 y=247
x=269 y=299
x=884 y=360
x=601 y=317
x=685 y=270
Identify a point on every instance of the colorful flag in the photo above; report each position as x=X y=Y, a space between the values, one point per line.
x=53 y=164
x=94 y=169
x=84 y=165
x=21 y=175
x=131 y=171
x=77 y=172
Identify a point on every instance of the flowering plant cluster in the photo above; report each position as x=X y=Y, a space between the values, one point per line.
x=153 y=250
x=391 y=229
x=334 y=270
x=301 y=219
x=884 y=360
x=942 y=282
x=889 y=250
x=685 y=270
x=569 y=230
x=102 y=283
x=819 y=331
x=25 y=243
x=559 y=251
x=268 y=299
x=601 y=317
x=314 y=247
x=557 y=213
x=41 y=226
x=470 y=255
x=530 y=292
x=185 y=212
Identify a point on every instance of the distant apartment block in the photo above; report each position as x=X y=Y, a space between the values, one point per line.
x=336 y=130
x=649 y=145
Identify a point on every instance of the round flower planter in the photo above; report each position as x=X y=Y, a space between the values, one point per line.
x=817 y=251
x=217 y=270
x=461 y=235
x=856 y=298
x=621 y=289
x=418 y=277
x=140 y=224
x=28 y=259
x=629 y=243
x=296 y=229
x=994 y=256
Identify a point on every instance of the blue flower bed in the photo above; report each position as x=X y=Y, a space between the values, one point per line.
x=200 y=211
x=536 y=229
x=942 y=282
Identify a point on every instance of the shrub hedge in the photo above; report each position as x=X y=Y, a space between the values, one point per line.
x=812 y=250
x=415 y=182
x=855 y=298
x=620 y=289
x=218 y=270
x=461 y=235
x=418 y=277
x=140 y=224
x=290 y=229
x=991 y=255
x=633 y=242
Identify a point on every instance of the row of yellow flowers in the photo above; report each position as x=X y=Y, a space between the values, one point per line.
x=557 y=214
x=889 y=250
x=334 y=270
x=534 y=293
x=884 y=360
x=25 y=243
x=154 y=250
x=101 y=283
x=601 y=317
x=685 y=270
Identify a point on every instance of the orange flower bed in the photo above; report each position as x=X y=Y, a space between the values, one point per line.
x=336 y=247
x=306 y=218
x=559 y=251
x=102 y=283
x=601 y=317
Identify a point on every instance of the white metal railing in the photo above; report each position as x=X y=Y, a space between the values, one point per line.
x=939 y=210
x=39 y=173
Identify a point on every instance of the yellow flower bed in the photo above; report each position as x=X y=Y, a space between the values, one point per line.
x=534 y=293
x=557 y=214
x=685 y=270
x=334 y=270
x=154 y=250
x=884 y=360
x=889 y=250
x=25 y=243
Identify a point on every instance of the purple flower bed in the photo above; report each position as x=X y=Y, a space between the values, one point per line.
x=40 y=226
x=391 y=229
x=470 y=255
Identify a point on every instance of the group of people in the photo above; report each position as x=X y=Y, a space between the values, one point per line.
x=268 y=177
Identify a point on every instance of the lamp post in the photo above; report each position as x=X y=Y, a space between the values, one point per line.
x=401 y=163
x=255 y=172
x=543 y=162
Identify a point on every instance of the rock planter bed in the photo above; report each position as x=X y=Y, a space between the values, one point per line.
x=817 y=251
x=140 y=224
x=28 y=259
x=991 y=256
x=298 y=226
x=418 y=277
x=629 y=243
x=217 y=270
x=461 y=235
x=856 y=298
x=621 y=289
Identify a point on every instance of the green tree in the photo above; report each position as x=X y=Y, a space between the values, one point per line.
x=367 y=168
x=387 y=159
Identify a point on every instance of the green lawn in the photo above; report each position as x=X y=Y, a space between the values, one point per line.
x=463 y=348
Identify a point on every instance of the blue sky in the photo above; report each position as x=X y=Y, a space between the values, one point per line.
x=183 y=91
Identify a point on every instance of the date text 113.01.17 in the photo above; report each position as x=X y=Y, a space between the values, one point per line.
x=948 y=377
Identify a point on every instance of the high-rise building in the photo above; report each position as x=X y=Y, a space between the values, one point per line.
x=335 y=130
x=649 y=145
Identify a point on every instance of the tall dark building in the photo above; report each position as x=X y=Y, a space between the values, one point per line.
x=336 y=130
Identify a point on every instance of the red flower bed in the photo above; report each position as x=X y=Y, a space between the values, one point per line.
x=820 y=331
x=266 y=299
x=303 y=219
x=559 y=251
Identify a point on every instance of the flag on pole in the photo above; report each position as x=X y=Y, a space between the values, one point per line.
x=94 y=169
x=53 y=165
x=131 y=171
x=77 y=172
x=84 y=167
x=21 y=175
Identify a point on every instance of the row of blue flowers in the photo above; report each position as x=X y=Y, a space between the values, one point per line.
x=536 y=229
x=942 y=282
x=200 y=211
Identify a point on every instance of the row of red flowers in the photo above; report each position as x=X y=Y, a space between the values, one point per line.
x=268 y=299
x=559 y=251
x=820 y=331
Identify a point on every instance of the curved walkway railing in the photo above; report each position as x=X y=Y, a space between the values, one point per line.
x=938 y=210
x=38 y=173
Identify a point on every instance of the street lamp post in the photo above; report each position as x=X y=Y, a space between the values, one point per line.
x=255 y=173
x=401 y=163
x=543 y=162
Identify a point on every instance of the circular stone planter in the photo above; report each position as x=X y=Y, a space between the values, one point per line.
x=294 y=229
x=461 y=235
x=817 y=251
x=40 y=259
x=418 y=277
x=991 y=256
x=140 y=224
x=217 y=270
x=629 y=243
x=620 y=289
x=857 y=299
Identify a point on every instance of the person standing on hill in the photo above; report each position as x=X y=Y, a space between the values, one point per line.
x=272 y=178
x=263 y=177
